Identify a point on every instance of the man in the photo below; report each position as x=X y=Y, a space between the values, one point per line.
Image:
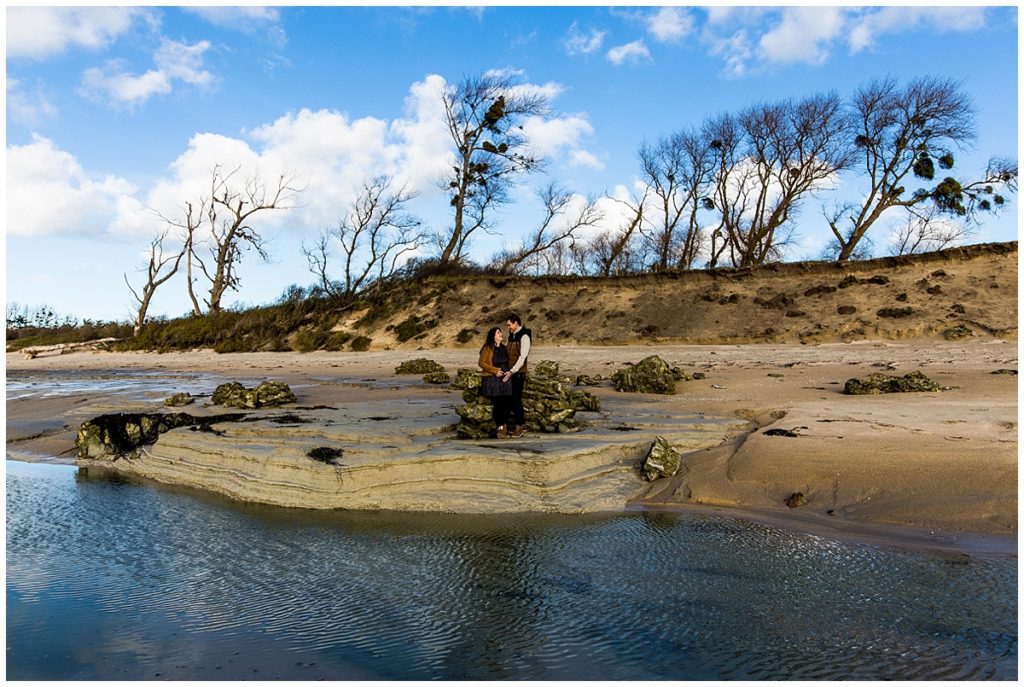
x=518 y=350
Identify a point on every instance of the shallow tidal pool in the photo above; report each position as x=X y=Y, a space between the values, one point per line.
x=112 y=580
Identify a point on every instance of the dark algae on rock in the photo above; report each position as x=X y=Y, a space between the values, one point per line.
x=878 y=383
x=267 y=394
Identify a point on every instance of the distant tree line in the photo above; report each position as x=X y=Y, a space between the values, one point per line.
x=724 y=193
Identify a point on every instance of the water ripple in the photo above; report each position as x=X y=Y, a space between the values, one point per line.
x=108 y=580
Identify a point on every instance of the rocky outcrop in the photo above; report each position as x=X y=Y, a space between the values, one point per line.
x=348 y=457
x=549 y=406
x=652 y=375
x=267 y=394
x=878 y=383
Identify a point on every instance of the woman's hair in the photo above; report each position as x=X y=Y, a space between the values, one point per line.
x=490 y=336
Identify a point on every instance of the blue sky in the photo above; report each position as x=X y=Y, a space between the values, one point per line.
x=116 y=111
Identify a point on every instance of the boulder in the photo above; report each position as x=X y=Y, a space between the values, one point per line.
x=267 y=394
x=179 y=399
x=549 y=407
x=878 y=383
x=662 y=460
x=652 y=375
x=419 y=366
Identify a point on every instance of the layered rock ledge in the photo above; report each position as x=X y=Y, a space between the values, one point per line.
x=402 y=454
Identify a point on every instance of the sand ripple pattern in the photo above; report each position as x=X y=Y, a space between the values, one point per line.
x=108 y=580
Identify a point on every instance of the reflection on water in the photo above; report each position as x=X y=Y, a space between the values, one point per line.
x=110 y=580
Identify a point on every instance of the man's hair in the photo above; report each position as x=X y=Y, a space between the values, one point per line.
x=513 y=318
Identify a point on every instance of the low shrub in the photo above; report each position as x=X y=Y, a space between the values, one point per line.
x=361 y=343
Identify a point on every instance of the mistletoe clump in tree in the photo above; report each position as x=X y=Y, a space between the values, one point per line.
x=901 y=134
x=484 y=116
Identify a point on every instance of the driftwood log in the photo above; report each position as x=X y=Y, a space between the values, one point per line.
x=60 y=349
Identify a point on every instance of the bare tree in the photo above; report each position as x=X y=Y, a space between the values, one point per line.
x=155 y=276
x=928 y=230
x=616 y=251
x=221 y=221
x=900 y=133
x=767 y=160
x=679 y=169
x=484 y=116
x=546 y=237
x=373 y=236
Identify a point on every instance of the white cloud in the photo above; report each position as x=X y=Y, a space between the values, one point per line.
x=48 y=192
x=550 y=137
x=27 y=107
x=875 y=22
x=244 y=19
x=634 y=53
x=41 y=32
x=183 y=61
x=582 y=158
x=804 y=34
x=113 y=83
x=670 y=24
x=736 y=52
x=175 y=61
x=578 y=42
x=331 y=153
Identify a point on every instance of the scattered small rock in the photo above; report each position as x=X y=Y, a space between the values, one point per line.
x=934 y=290
x=179 y=399
x=957 y=308
x=796 y=499
x=1004 y=371
x=846 y=310
x=902 y=298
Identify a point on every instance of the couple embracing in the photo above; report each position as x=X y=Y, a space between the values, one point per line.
x=504 y=374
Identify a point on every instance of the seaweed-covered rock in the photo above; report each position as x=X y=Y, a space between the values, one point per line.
x=662 y=460
x=466 y=378
x=267 y=394
x=587 y=380
x=419 y=366
x=549 y=407
x=546 y=368
x=878 y=383
x=179 y=399
x=117 y=435
x=440 y=377
x=652 y=375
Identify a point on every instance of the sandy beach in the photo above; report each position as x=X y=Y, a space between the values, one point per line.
x=943 y=462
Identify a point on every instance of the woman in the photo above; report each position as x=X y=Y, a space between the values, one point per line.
x=494 y=363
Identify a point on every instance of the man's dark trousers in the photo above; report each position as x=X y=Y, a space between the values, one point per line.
x=518 y=380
